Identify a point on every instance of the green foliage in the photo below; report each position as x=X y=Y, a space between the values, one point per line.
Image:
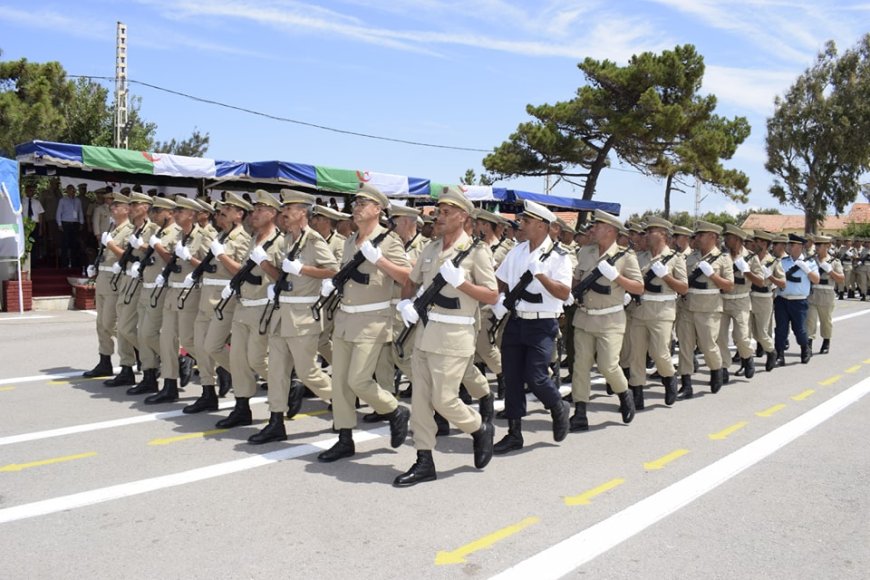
x=194 y=146
x=859 y=230
x=684 y=218
x=29 y=226
x=470 y=177
x=741 y=217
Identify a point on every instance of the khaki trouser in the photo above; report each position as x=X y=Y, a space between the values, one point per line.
x=324 y=343
x=684 y=327
x=436 y=389
x=128 y=323
x=848 y=281
x=107 y=321
x=300 y=352
x=862 y=278
x=218 y=335
x=601 y=349
x=150 y=324
x=736 y=311
x=706 y=333
x=353 y=364
x=474 y=381
x=653 y=336
x=490 y=354
x=248 y=354
x=820 y=316
x=205 y=298
x=627 y=346
x=761 y=318
x=178 y=330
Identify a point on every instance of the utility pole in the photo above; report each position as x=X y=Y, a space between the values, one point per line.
x=121 y=129
x=698 y=198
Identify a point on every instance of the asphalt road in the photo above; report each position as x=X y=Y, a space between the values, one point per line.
x=767 y=479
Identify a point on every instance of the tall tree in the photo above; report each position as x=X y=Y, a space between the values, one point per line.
x=817 y=145
x=194 y=146
x=470 y=178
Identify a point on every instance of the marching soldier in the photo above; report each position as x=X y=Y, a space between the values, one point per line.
x=790 y=305
x=710 y=272
x=324 y=220
x=821 y=300
x=600 y=319
x=530 y=332
x=364 y=323
x=294 y=333
x=861 y=268
x=248 y=354
x=737 y=304
x=444 y=346
x=761 y=296
x=664 y=279
x=846 y=254
x=113 y=243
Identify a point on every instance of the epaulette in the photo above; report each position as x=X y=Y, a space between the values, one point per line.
x=560 y=250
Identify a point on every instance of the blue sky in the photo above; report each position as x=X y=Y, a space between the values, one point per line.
x=447 y=72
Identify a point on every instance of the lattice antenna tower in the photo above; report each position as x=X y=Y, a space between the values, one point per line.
x=121 y=128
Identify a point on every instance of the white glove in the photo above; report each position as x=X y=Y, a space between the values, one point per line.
x=293 y=267
x=259 y=255
x=226 y=292
x=607 y=270
x=659 y=269
x=766 y=272
x=825 y=266
x=104 y=239
x=803 y=266
x=159 y=280
x=182 y=251
x=92 y=271
x=188 y=281
x=705 y=268
x=270 y=292
x=217 y=248
x=741 y=265
x=626 y=300
x=453 y=275
x=536 y=267
x=570 y=300
x=849 y=252
x=116 y=268
x=153 y=240
x=408 y=313
x=135 y=241
x=498 y=309
x=326 y=287
x=134 y=269
x=371 y=253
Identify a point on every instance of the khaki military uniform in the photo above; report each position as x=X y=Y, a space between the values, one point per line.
x=654 y=317
x=683 y=327
x=127 y=305
x=599 y=323
x=101 y=219
x=736 y=307
x=363 y=324
x=490 y=354
x=444 y=347
x=151 y=318
x=861 y=270
x=107 y=300
x=704 y=301
x=846 y=257
x=335 y=241
x=821 y=300
x=294 y=333
x=761 y=297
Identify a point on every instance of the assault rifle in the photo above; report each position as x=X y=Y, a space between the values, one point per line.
x=235 y=284
x=280 y=285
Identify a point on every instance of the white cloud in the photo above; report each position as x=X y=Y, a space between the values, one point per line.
x=48 y=19
x=749 y=89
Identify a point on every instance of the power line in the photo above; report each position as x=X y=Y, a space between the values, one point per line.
x=286 y=119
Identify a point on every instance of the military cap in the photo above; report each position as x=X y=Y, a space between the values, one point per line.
x=780 y=239
x=796 y=239
x=683 y=231
x=454 y=196
x=810 y=238
x=823 y=239
x=634 y=226
x=514 y=224
x=234 y=199
x=152 y=191
x=599 y=216
x=622 y=230
x=655 y=221
x=105 y=192
x=488 y=216
x=120 y=198
x=205 y=204
x=289 y=196
x=373 y=193
x=137 y=197
x=184 y=202
x=263 y=197
x=163 y=203
x=735 y=231
x=537 y=211
x=566 y=227
x=702 y=226
x=403 y=210
x=428 y=218
x=329 y=213
x=763 y=235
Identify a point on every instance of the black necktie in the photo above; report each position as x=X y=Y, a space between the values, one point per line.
x=30 y=208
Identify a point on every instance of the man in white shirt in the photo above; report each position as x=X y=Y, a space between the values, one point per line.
x=70 y=218
x=31 y=208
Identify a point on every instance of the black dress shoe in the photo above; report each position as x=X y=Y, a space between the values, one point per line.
x=208 y=401
x=485 y=405
x=578 y=421
x=185 y=369
x=749 y=367
x=294 y=400
x=670 y=384
x=168 y=394
x=239 y=416
x=273 y=431
x=398 y=426
x=343 y=448
x=626 y=406
x=780 y=359
x=443 y=426
x=826 y=346
x=148 y=384
x=805 y=354
x=103 y=368
x=501 y=414
x=561 y=415
x=125 y=378
x=513 y=441
x=423 y=470
x=770 y=363
x=374 y=417
x=483 y=444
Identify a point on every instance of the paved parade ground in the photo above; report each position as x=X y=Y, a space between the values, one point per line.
x=766 y=479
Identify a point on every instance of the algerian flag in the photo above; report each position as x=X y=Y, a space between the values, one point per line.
x=387 y=183
x=145 y=162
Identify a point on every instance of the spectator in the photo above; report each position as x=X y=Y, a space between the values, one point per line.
x=70 y=218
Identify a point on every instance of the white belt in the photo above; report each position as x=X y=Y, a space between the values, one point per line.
x=801 y=297
x=658 y=297
x=604 y=311
x=761 y=294
x=149 y=285
x=297 y=299
x=179 y=285
x=735 y=296
x=703 y=291
x=365 y=307
x=451 y=319
x=257 y=302
x=527 y=315
x=395 y=301
x=214 y=282
x=105 y=268
x=820 y=287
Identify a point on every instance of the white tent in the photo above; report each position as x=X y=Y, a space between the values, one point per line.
x=11 y=223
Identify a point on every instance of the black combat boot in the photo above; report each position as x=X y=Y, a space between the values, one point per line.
x=695 y=363
x=148 y=384
x=809 y=346
x=273 y=431
x=726 y=376
x=670 y=384
x=423 y=470
x=443 y=426
x=124 y=378
x=225 y=381
x=626 y=406
x=343 y=448
x=560 y=413
x=736 y=358
x=780 y=358
x=208 y=401
x=716 y=381
x=239 y=416
x=749 y=367
x=294 y=400
x=168 y=394
x=637 y=395
x=578 y=421
x=759 y=350
x=464 y=395
x=373 y=417
x=686 y=390
x=185 y=369
x=485 y=405
x=499 y=386
x=770 y=363
x=806 y=354
x=483 y=439
x=826 y=346
x=398 y=426
x=513 y=440
x=406 y=394
x=103 y=368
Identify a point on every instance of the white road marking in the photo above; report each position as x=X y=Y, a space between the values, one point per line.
x=568 y=555
x=25 y=317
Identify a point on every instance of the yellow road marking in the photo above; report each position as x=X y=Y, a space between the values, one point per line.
x=664 y=460
x=21 y=466
x=728 y=431
x=867 y=361
x=853 y=369
x=197 y=435
x=311 y=414
x=831 y=381
x=585 y=497
x=771 y=410
x=4 y=389
x=802 y=396
x=458 y=555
